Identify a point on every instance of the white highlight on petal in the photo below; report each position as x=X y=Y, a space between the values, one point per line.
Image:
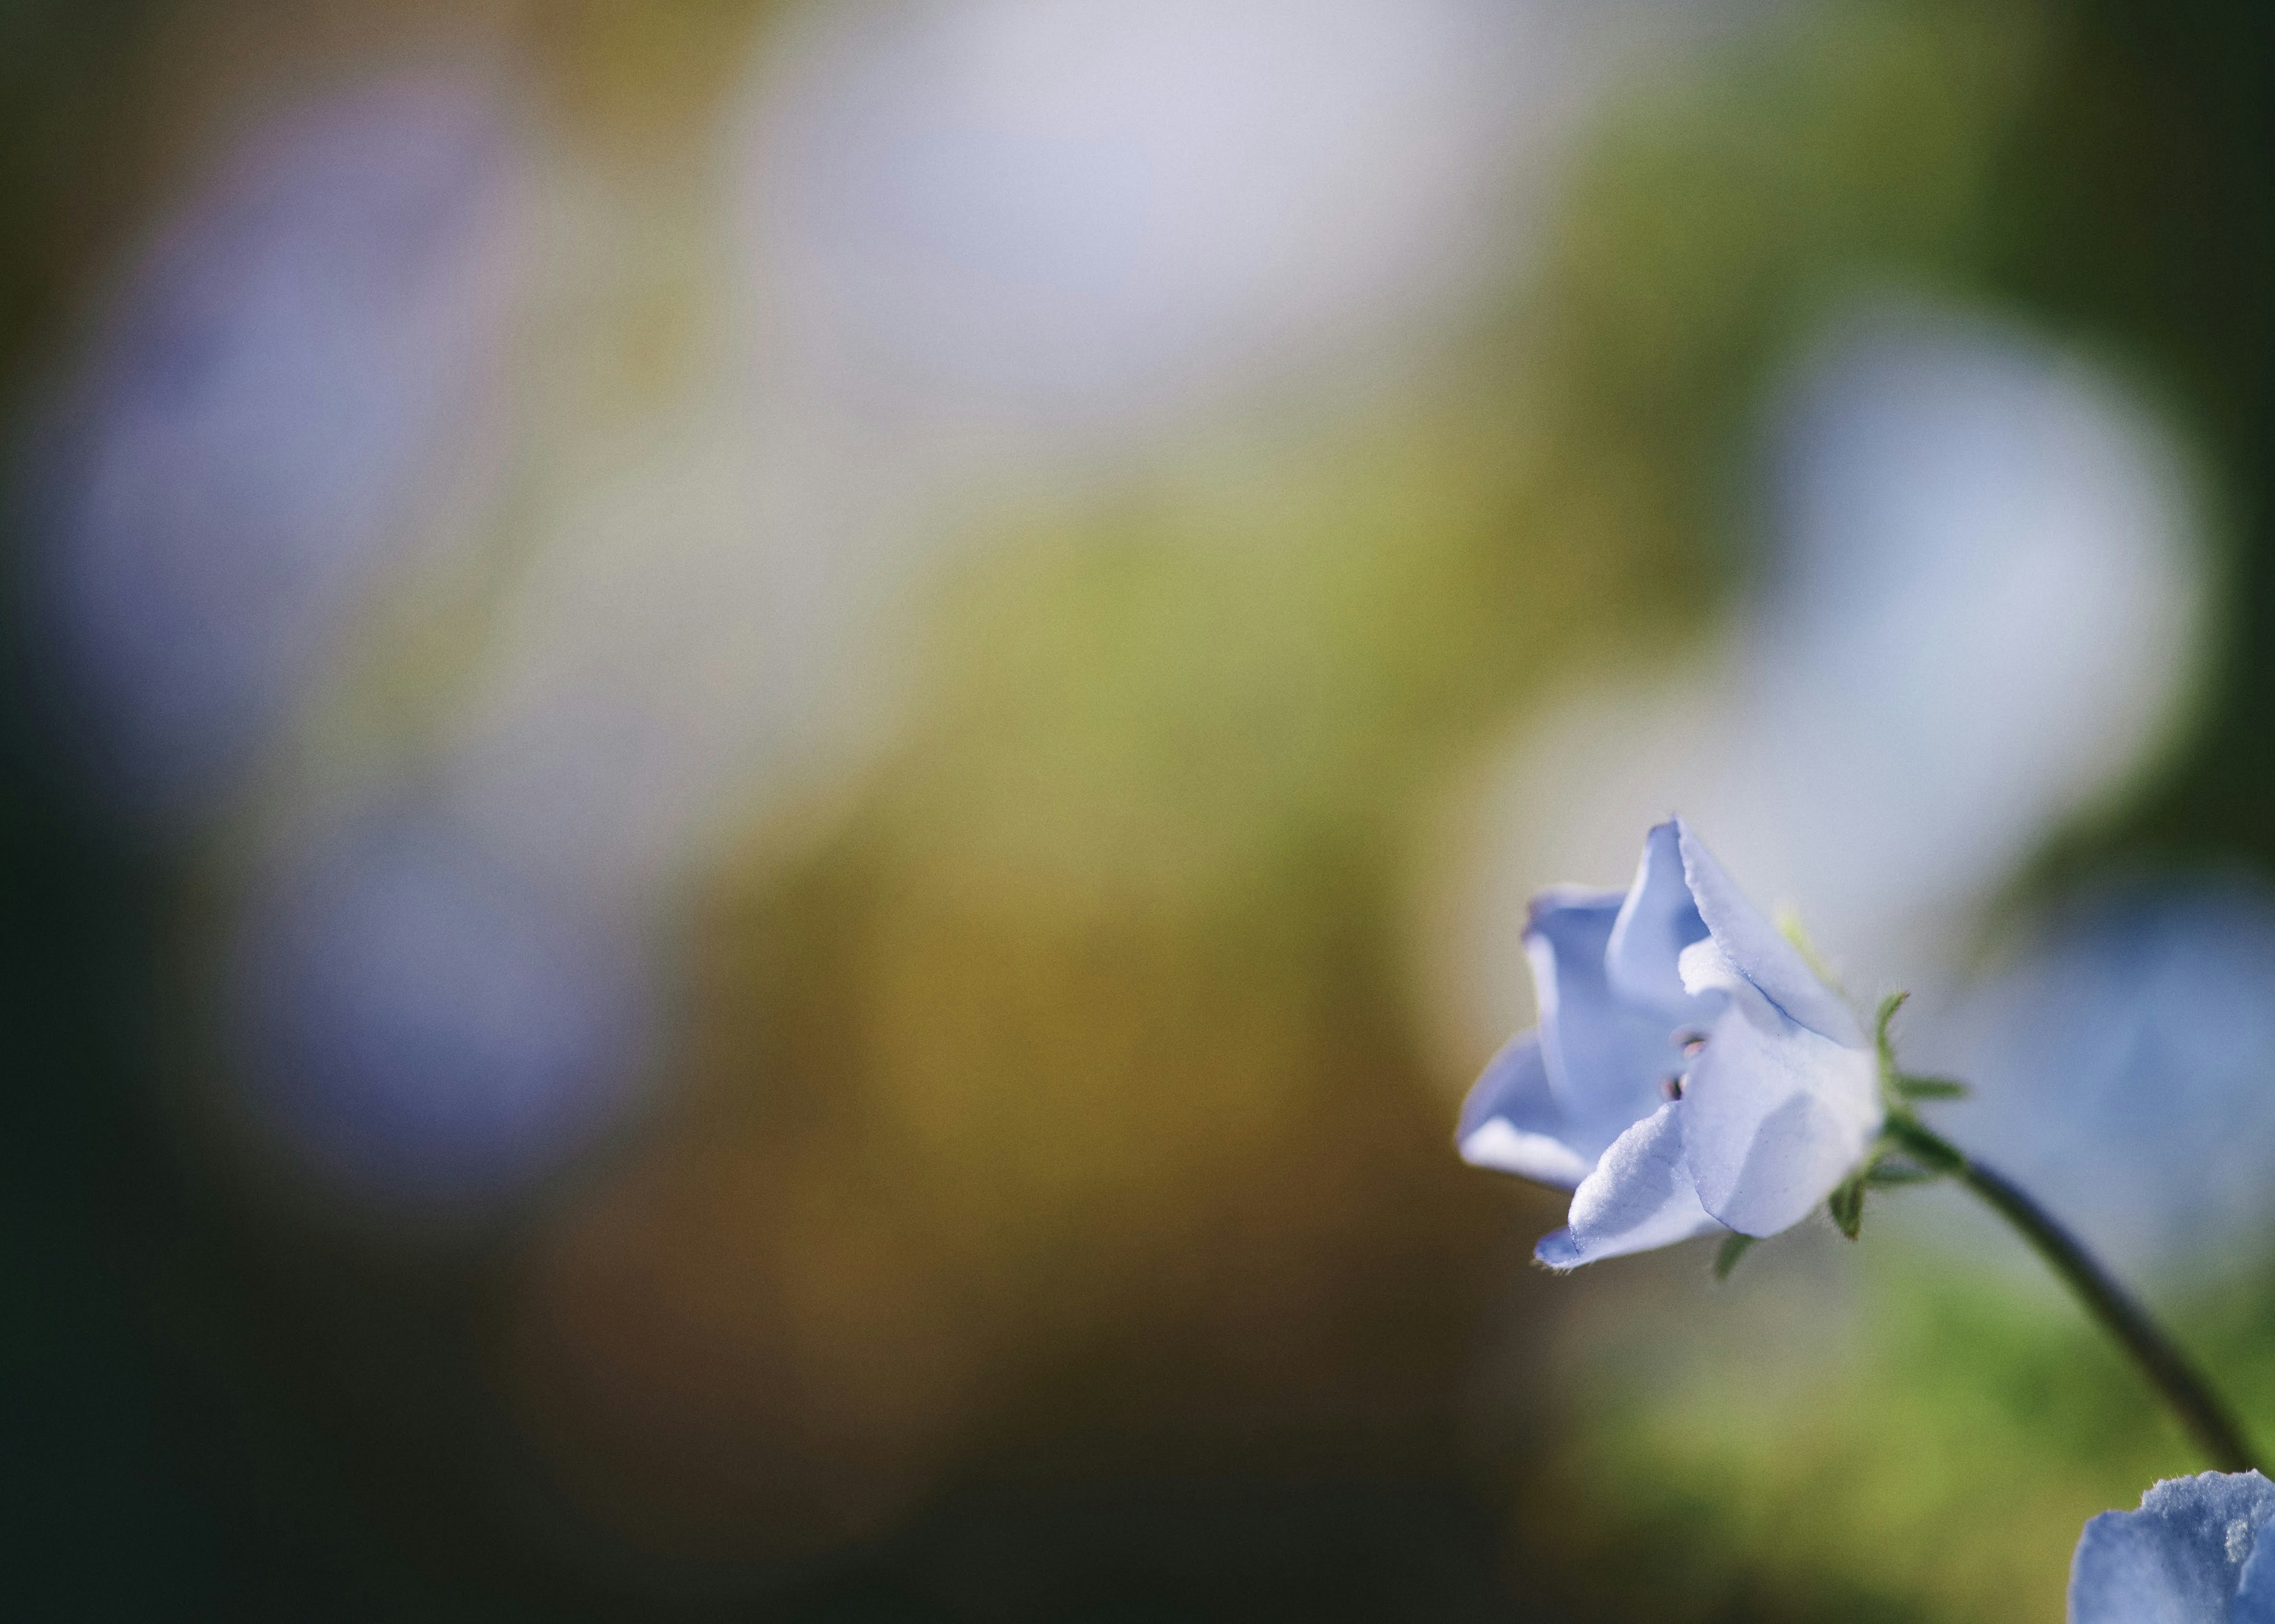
x=1534 y=1156
x=1512 y=1122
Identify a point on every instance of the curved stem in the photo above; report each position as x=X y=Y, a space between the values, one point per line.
x=2160 y=1357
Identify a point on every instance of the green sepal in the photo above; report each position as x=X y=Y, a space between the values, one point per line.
x=1913 y=1087
x=1889 y=1005
x=1847 y=1206
x=1733 y=1247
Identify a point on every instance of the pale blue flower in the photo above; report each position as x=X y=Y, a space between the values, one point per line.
x=2120 y=1069
x=295 y=372
x=423 y=1028
x=1690 y=1073
x=2192 y=1554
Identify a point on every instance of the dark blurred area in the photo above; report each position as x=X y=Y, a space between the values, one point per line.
x=770 y=769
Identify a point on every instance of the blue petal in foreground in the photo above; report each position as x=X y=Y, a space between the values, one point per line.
x=2181 y=1558
x=2255 y=1595
x=1759 y=952
x=1511 y=1123
x=1690 y=1072
x=1580 y=1026
x=1656 y=921
x=1778 y=1116
x=1639 y=1196
x=1608 y=1057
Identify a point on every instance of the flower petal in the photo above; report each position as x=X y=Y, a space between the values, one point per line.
x=1656 y=921
x=2255 y=1597
x=1639 y=1196
x=1778 y=1114
x=1759 y=951
x=2177 y=1560
x=1512 y=1123
x=1607 y=1058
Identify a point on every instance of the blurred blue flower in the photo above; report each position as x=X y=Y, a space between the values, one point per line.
x=290 y=377
x=2191 y=1555
x=422 y=1029
x=1690 y=1071
x=2120 y=1062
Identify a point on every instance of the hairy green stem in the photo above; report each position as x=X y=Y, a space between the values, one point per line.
x=2168 y=1370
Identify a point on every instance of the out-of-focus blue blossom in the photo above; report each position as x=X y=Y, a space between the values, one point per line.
x=2192 y=1554
x=1983 y=616
x=1690 y=1071
x=421 y=1027
x=1979 y=616
x=287 y=376
x=2123 y=1070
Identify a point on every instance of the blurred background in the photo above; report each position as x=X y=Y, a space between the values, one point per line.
x=770 y=768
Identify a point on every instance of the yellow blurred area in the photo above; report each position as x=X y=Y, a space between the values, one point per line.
x=1071 y=1059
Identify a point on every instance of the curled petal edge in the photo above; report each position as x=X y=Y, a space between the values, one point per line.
x=1512 y=1123
x=1640 y=1197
